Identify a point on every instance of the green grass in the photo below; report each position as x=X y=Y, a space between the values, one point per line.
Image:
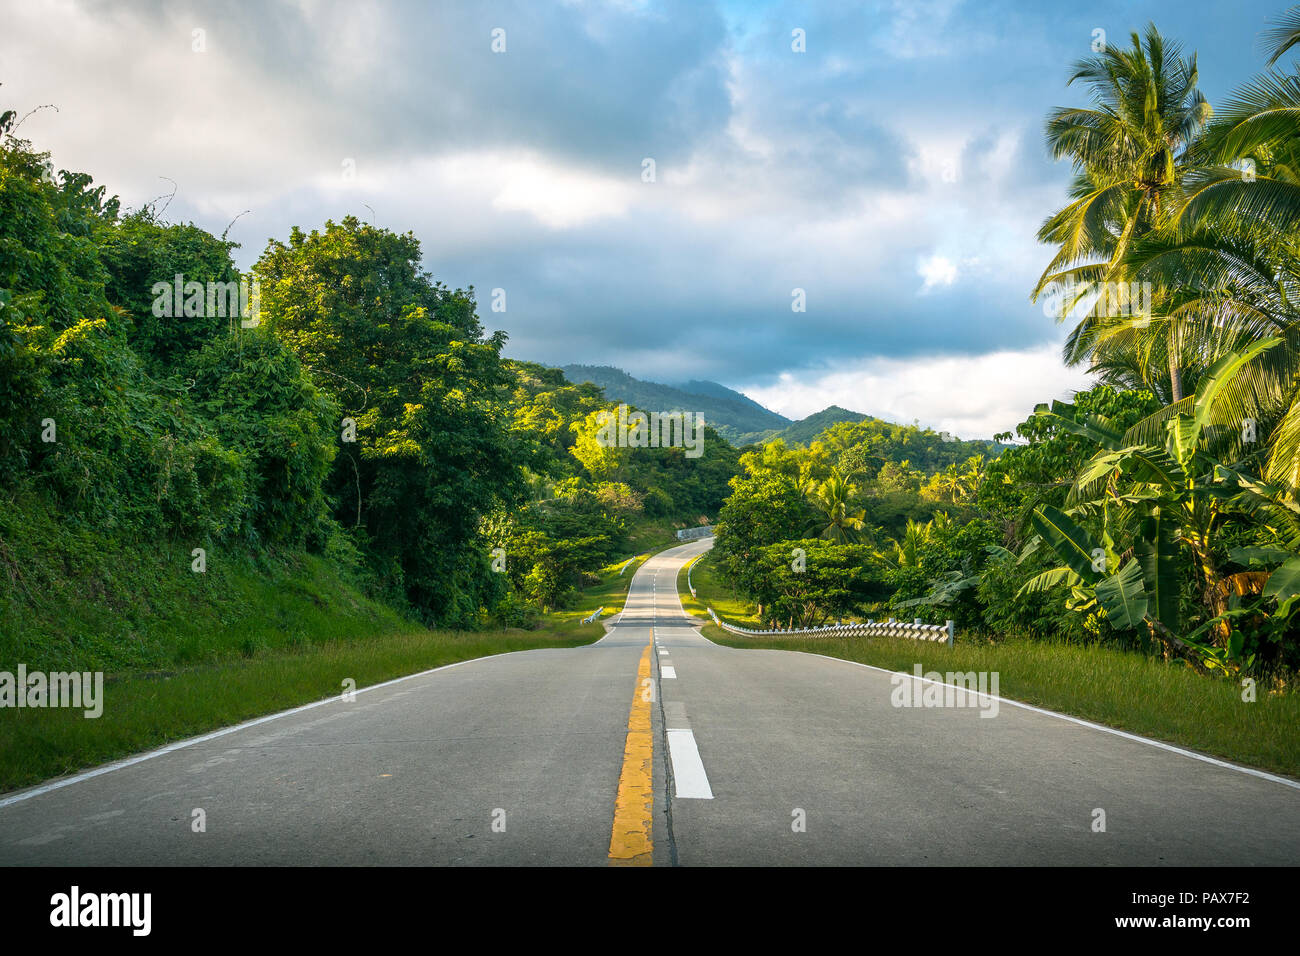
x=89 y=599
x=710 y=593
x=652 y=534
x=1123 y=689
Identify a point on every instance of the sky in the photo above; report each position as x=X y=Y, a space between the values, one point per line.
x=651 y=185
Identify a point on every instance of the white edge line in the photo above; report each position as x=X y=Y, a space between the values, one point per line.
x=1264 y=775
x=190 y=742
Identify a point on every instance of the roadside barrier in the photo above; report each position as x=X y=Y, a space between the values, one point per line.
x=916 y=630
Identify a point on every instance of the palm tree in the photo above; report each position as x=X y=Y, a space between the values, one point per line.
x=1231 y=253
x=1130 y=150
x=1217 y=235
x=1284 y=34
x=972 y=477
x=833 y=498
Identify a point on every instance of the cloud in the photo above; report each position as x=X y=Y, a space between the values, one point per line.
x=902 y=151
x=968 y=396
x=936 y=271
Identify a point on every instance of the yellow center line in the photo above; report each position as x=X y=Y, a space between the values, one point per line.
x=630 y=842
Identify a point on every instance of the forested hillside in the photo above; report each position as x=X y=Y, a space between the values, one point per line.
x=336 y=419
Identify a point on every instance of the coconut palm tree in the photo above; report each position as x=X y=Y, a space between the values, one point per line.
x=1131 y=151
x=833 y=498
x=1217 y=235
x=1284 y=34
x=1231 y=253
x=907 y=552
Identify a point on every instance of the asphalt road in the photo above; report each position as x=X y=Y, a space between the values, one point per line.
x=654 y=745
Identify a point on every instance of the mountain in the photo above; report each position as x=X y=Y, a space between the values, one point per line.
x=697 y=387
x=742 y=421
x=736 y=417
x=806 y=429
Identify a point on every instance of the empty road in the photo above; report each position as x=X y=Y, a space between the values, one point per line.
x=655 y=746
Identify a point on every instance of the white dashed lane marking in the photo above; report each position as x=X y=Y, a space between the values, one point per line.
x=688 y=769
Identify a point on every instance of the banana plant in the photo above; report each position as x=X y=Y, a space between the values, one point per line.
x=1169 y=501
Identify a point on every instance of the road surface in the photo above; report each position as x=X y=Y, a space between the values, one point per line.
x=655 y=746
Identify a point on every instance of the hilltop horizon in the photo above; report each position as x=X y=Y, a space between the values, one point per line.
x=726 y=406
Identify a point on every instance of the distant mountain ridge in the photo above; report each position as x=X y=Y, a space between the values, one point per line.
x=742 y=421
x=737 y=418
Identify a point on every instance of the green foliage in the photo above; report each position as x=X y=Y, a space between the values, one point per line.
x=406 y=359
x=1042 y=470
x=763 y=509
x=865 y=447
x=943 y=569
x=253 y=392
x=810 y=582
x=1168 y=506
x=49 y=258
x=141 y=254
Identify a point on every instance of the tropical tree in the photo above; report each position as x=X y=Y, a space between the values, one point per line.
x=906 y=552
x=1230 y=250
x=1165 y=501
x=833 y=498
x=405 y=359
x=828 y=581
x=1131 y=150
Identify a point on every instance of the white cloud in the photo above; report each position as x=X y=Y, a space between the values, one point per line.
x=975 y=396
x=801 y=179
x=558 y=196
x=936 y=271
